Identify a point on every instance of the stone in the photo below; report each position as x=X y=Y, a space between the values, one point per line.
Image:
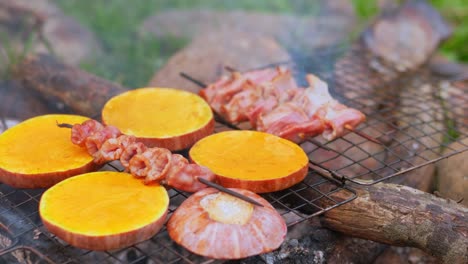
x=205 y=57
x=331 y=25
x=51 y=30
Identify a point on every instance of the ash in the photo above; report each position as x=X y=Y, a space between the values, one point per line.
x=307 y=243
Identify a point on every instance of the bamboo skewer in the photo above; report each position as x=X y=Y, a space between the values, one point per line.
x=228 y=191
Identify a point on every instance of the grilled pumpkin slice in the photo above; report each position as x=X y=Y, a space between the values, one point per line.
x=104 y=210
x=37 y=153
x=251 y=160
x=160 y=117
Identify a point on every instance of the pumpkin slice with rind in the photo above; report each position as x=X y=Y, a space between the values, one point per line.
x=218 y=225
x=251 y=160
x=104 y=210
x=37 y=153
x=160 y=117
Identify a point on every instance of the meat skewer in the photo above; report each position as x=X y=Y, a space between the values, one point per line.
x=107 y=143
x=271 y=100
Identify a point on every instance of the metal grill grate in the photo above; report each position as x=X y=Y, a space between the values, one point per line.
x=420 y=118
x=25 y=237
x=416 y=116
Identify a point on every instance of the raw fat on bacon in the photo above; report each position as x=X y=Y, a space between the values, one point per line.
x=113 y=148
x=106 y=143
x=95 y=140
x=272 y=102
x=80 y=132
x=221 y=92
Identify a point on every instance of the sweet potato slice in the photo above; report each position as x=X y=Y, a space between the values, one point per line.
x=218 y=225
x=104 y=210
x=160 y=117
x=37 y=154
x=251 y=160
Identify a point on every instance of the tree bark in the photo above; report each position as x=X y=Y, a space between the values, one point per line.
x=402 y=216
x=82 y=92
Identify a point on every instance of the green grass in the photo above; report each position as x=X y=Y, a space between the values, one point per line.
x=365 y=9
x=456 y=11
x=11 y=54
x=131 y=59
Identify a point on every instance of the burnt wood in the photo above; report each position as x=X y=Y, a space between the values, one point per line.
x=403 y=216
x=82 y=92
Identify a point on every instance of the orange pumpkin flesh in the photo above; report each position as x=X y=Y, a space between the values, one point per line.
x=160 y=117
x=104 y=210
x=220 y=226
x=251 y=160
x=37 y=154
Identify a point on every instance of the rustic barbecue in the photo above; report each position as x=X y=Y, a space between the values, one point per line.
x=417 y=117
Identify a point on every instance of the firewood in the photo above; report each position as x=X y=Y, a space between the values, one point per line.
x=21 y=103
x=402 y=216
x=82 y=92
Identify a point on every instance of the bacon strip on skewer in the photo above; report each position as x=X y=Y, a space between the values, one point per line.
x=106 y=143
x=271 y=100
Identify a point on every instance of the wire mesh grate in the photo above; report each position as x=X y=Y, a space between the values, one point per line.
x=419 y=118
x=27 y=236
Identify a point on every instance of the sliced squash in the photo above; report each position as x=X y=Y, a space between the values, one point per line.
x=104 y=210
x=251 y=160
x=160 y=117
x=37 y=154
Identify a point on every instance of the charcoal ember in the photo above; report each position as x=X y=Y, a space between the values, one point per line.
x=48 y=29
x=307 y=242
x=207 y=55
x=333 y=21
x=404 y=39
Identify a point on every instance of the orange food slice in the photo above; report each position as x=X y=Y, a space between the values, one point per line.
x=160 y=117
x=104 y=210
x=218 y=225
x=251 y=160
x=37 y=154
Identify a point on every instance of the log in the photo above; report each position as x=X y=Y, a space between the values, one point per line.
x=402 y=216
x=377 y=94
x=20 y=103
x=82 y=92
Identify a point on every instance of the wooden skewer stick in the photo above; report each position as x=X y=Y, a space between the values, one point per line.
x=63 y=125
x=228 y=191
x=229 y=68
x=362 y=134
x=190 y=78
